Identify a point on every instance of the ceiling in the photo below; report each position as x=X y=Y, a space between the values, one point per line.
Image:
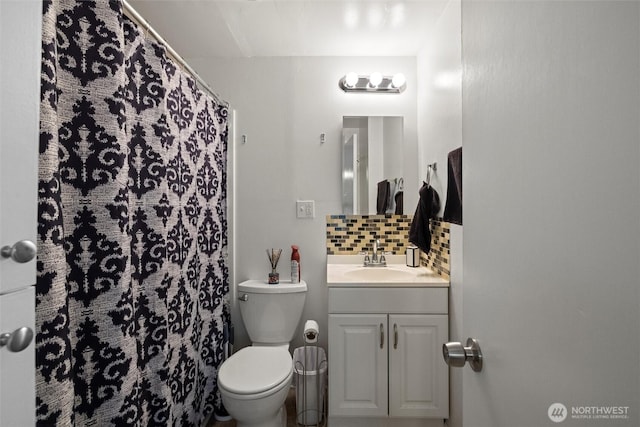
x=258 y=28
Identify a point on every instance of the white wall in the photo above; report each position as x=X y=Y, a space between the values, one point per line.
x=439 y=132
x=283 y=105
x=375 y=159
x=440 y=97
x=393 y=161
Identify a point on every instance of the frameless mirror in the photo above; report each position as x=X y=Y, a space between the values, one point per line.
x=372 y=152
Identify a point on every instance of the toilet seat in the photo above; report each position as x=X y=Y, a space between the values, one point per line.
x=254 y=370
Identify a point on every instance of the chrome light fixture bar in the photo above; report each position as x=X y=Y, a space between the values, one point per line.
x=373 y=83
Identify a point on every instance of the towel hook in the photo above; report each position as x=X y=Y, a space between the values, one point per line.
x=430 y=167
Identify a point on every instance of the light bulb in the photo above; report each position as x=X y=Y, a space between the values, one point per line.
x=398 y=80
x=375 y=79
x=351 y=79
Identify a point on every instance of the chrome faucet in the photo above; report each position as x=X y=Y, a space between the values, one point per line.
x=375 y=261
x=374 y=257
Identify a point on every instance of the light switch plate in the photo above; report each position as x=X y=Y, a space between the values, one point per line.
x=305 y=209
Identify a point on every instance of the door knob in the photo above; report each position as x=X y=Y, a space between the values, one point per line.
x=17 y=340
x=22 y=251
x=456 y=355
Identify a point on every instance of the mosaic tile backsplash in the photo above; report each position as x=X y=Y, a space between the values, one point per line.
x=438 y=257
x=351 y=234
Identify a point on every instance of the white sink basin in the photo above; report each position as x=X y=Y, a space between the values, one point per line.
x=348 y=270
x=379 y=274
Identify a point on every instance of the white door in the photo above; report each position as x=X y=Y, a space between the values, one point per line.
x=20 y=29
x=551 y=106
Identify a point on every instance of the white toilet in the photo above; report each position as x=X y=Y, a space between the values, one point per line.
x=254 y=382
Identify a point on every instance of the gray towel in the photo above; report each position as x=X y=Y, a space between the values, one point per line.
x=453 y=207
x=383 y=197
x=399 y=203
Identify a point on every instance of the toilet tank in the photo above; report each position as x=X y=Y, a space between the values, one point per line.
x=271 y=313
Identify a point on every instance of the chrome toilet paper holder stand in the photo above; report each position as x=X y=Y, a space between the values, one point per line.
x=304 y=415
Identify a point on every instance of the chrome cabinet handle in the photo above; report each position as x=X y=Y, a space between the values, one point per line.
x=17 y=340
x=395 y=336
x=244 y=297
x=456 y=355
x=23 y=251
x=381 y=336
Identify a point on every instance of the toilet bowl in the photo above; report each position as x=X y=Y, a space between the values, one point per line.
x=254 y=384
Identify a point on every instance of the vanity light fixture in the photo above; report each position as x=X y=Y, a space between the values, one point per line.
x=350 y=80
x=375 y=79
x=398 y=80
x=373 y=83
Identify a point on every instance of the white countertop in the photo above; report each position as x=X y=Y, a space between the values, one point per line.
x=348 y=271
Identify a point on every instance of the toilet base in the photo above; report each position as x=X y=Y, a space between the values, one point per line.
x=279 y=421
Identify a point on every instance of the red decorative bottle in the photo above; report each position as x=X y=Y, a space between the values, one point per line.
x=295 y=264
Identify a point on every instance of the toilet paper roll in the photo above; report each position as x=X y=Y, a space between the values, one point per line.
x=311 y=331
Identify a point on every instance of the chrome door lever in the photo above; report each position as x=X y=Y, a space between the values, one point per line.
x=456 y=355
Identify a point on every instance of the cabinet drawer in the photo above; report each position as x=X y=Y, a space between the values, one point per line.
x=389 y=300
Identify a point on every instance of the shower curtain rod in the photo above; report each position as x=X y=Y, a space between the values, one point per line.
x=137 y=17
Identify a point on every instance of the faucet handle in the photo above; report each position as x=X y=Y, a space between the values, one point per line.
x=367 y=259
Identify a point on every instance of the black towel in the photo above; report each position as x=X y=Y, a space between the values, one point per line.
x=453 y=207
x=399 y=202
x=428 y=207
x=384 y=189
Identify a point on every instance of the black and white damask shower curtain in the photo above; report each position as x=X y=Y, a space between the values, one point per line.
x=132 y=227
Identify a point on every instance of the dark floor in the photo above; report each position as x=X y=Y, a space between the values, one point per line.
x=291 y=413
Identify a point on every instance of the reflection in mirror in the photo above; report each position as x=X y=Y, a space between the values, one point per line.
x=372 y=153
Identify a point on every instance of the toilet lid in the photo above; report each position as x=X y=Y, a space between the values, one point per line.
x=255 y=369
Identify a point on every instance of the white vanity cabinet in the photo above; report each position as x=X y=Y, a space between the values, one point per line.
x=385 y=353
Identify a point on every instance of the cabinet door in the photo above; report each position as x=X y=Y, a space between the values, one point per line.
x=17 y=370
x=20 y=50
x=358 y=356
x=418 y=375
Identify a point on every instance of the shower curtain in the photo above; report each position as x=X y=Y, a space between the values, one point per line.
x=132 y=273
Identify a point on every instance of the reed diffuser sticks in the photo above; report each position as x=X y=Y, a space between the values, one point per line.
x=274 y=256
